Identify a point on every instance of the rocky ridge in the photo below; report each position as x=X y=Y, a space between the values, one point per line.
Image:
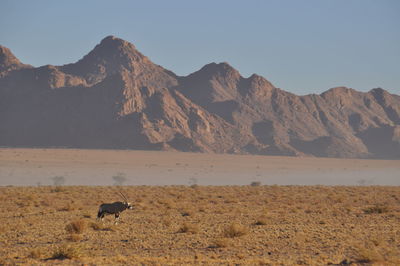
x=115 y=97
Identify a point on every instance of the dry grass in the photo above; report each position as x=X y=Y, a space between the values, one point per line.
x=235 y=230
x=76 y=227
x=74 y=237
x=98 y=226
x=378 y=208
x=66 y=252
x=179 y=225
x=36 y=253
x=220 y=243
x=189 y=228
x=262 y=220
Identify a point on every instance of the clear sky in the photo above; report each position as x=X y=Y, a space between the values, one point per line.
x=303 y=46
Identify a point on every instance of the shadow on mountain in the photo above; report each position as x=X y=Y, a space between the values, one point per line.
x=224 y=109
x=383 y=142
x=263 y=131
x=182 y=143
x=316 y=147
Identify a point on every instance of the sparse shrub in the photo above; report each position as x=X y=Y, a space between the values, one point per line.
x=121 y=260
x=167 y=222
x=368 y=255
x=36 y=253
x=235 y=230
x=23 y=203
x=187 y=212
x=220 y=243
x=193 y=182
x=189 y=228
x=66 y=252
x=255 y=184
x=119 y=179
x=376 y=209
x=58 y=189
x=68 y=207
x=194 y=186
x=75 y=237
x=261 y=221
x=58 y=180
x=76 y=227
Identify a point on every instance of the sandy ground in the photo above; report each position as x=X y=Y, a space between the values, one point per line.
x=27 y=167
x=202 y=225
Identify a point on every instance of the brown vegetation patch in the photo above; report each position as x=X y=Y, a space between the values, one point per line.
x=378 y=208
x=66 y=252
x=76 y=227
x=235 y=230
x=189 y=228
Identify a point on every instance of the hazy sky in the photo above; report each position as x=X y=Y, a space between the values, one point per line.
x=300 y=46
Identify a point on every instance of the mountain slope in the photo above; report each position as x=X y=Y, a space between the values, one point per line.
x=115 y=97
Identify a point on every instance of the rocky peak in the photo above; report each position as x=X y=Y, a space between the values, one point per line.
x=110 y=56
x=8 y=61
x=342 y=94
x=260 y=82
x=212 y=83
x=218 y=70
x=336 y=91
x=112 y=48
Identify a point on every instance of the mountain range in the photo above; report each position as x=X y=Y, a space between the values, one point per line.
x=116 y=98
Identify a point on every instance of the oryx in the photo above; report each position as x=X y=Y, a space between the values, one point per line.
x=114 y=208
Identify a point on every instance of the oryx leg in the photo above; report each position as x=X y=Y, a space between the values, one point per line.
x=117 y=218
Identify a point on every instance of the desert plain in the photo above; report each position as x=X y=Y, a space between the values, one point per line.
x=201 y=209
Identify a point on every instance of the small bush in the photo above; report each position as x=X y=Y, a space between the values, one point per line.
x=255 y=184
x=261 y=221
x=36 y=253
x=220 y=243
x=368 y=255
x=58 y=189
x=376 y=209
x=167 y=221
x=66 y=252
x=119 y=179
x=75 y=237
x=67 y=208
x=187 y=212
x=189 y=228
x=58 y=180
x=235 y=230
x=76 y=227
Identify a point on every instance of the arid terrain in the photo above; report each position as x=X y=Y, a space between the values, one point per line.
x=210 y=210
x=202 y=225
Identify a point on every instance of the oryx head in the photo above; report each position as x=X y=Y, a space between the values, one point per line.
x=127 y=204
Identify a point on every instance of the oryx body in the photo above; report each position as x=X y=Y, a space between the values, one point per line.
x=113 y=208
